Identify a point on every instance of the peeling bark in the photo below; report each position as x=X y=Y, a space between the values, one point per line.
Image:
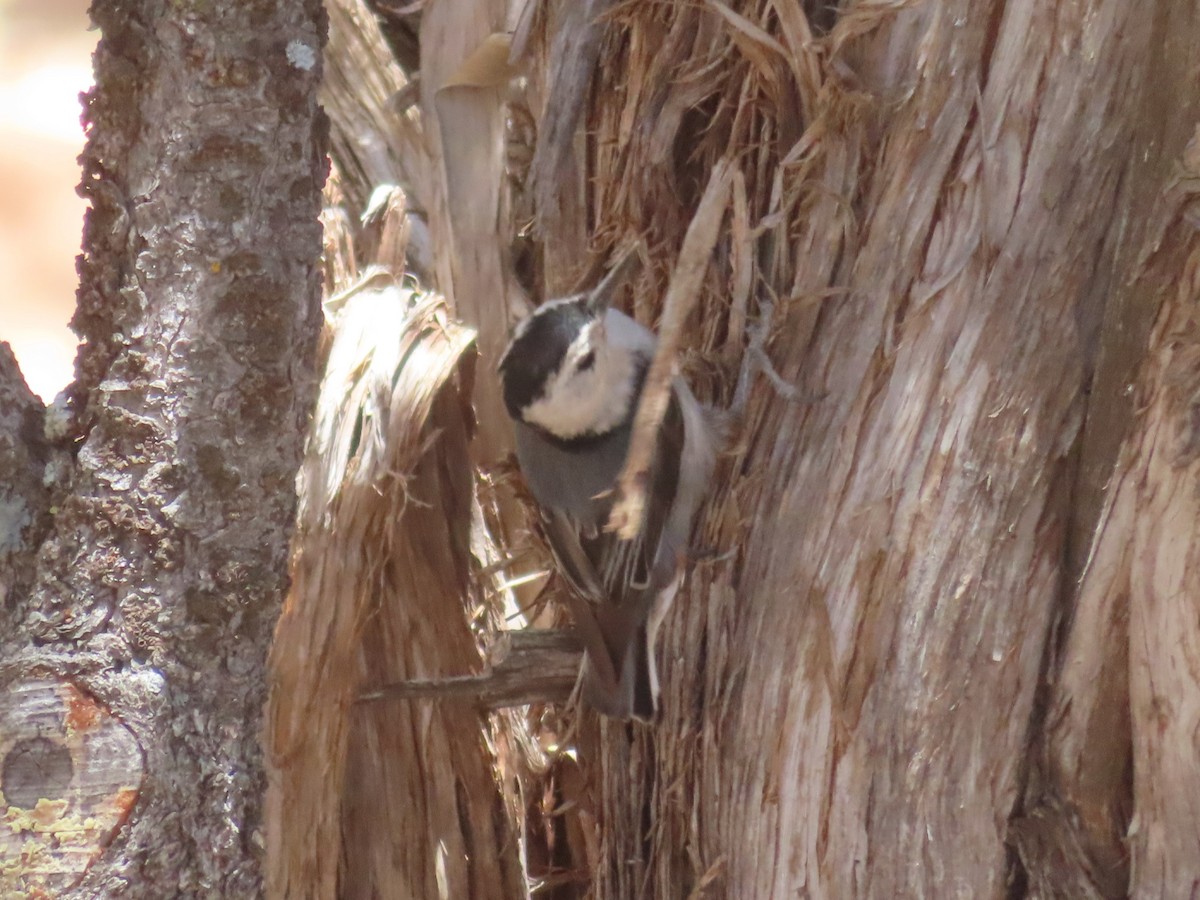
x=1121 y=729
x=859 y=689
x=1157 y=511
x=882 y=680
x=465 y=135
x=375 y=139
x=396 y=799
x=1082 y=781
x=932 y=643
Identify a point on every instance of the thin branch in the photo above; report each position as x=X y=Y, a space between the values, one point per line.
x=757 y=360
x=529 y=666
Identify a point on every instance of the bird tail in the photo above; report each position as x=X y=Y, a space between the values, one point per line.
x=634 y=694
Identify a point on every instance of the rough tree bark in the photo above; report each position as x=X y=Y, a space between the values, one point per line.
x=381 y=800
x=934 y=643
x=132 y=662
x=935 y=202
x=1109 y=813
x=948 y=222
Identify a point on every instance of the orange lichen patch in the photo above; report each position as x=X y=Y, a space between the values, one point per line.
x=122 y=803
x=76 y=764
x=82 y=713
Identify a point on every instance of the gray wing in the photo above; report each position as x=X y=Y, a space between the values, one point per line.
x=573 y=487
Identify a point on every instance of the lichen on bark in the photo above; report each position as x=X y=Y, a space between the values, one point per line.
x=159 y=584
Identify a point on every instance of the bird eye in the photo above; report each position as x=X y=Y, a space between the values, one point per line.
x=586 y=361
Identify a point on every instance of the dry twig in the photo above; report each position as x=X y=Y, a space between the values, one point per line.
x=682 y=294
x=529 y=666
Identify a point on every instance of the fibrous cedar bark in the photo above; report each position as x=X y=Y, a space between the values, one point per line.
x=464 y=128
x=138 y=655
x=400 y=799
x=1108 y=813
x=878 y=676
x=934 y=201
x=955 y=219
x=1155 y=514
x=1082 y=805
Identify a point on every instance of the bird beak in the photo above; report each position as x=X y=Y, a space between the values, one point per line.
x=627 y=263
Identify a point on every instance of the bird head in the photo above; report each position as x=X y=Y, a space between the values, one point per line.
x=573 y=366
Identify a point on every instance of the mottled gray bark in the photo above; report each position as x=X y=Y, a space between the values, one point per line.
x=24 y=498
x=158 y=587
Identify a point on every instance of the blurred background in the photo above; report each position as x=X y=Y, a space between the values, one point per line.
x=45 y=62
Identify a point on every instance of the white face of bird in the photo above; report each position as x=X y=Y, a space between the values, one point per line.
x=592 y=390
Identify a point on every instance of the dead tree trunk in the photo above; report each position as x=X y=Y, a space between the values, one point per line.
x=146 y=581
x=934 y=205
x=947 y=222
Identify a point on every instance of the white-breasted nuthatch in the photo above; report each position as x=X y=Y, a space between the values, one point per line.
x=572 y=376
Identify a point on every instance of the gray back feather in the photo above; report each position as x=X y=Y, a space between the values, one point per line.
x=576 y=482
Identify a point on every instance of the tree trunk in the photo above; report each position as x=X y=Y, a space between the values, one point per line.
x=936 y=202
x=1119 y=741
x=133 y=664
x=939 y=634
